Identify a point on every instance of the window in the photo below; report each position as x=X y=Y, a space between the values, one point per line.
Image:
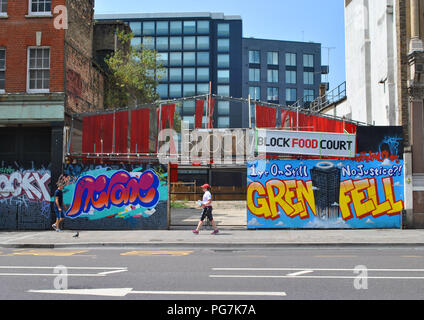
x=202 y=43
x=308 y=78
x=309 y=95
x=291 y=77
x=254 y=56
x=272 y=94
x=223 y=91
x=38 y=69
x=162 y=28
x=189 y=58
x=189 y=43
x=272 y=58
x=189 y=27
x=3 y=7
x=40 y=6
x=175 y=90
x=2 y=69
x=135 y=28
x=223 y=30
x=190 y=120
x=254 y=74
x=189 y=74
x=189 y=107
x=202 y=88
x=223 y=45
x=149 y=43
x=189 y=90
x=175 y=43
x=223 y=61
x=175 y=59
x=136 y=42
x=224 y=108
x=162 y=91
x=149 y=28
x=308 y=60
x=175 y=74
x=273 y=76
x=161 y=43
x=291 y=59
x=255 y=93
x=203 y=58
x=223 y=122
x=176 y=27
x=163 y=58
x=202 y=74
x=223 y=76
x=203 y=27
x=162 y=75
x=291 y=95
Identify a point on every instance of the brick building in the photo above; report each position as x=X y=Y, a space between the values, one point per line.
x=47 y=72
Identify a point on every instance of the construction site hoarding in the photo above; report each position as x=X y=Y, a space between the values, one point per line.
x=324 y=194
x=115 y=197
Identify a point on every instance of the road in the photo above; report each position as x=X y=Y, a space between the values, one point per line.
x=208 y=274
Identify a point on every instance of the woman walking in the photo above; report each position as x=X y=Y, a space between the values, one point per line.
x=206 y=203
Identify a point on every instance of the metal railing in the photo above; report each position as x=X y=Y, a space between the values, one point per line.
x=317 y=105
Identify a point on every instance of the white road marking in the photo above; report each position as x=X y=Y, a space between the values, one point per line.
x=311 y=277
x=313 y=269
x=122 y=292
x=299 y=273
x=109 y=270
x=212 y=293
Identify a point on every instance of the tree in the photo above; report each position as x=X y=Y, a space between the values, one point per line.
x=134 y=74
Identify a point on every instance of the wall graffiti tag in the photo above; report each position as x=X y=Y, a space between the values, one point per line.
x=120 y=190
x=25 y=185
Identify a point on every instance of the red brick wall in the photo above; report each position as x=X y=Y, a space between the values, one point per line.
x=84 y=82
x=17 y=33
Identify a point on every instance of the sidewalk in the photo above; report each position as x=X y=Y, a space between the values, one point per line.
x=225 y=239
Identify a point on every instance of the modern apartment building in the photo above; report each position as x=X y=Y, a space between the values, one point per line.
x=281 y=71
x=198 y=48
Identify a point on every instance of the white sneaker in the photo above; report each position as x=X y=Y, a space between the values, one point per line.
x=54 y=226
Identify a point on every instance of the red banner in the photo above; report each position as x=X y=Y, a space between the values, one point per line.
x=198 y=122
x=140 y=131
x=290 y=119
x=266 y=117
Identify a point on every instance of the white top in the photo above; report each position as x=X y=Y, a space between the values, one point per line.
x=206 y=197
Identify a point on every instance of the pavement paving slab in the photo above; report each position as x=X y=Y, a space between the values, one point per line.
x=227 y=237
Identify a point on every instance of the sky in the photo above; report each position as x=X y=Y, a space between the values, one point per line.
x=299 y=20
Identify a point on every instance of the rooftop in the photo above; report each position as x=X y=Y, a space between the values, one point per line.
x=208 y=15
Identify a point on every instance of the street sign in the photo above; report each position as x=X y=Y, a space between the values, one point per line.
x=306 y=143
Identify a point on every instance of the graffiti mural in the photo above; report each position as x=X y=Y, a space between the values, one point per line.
x=115 y=197
x=25 y=198
x=325 y=194
x=366 y=192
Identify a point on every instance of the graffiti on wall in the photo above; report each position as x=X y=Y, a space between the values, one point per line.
x=98 y=192
x=325 y=194
x=23 y=186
